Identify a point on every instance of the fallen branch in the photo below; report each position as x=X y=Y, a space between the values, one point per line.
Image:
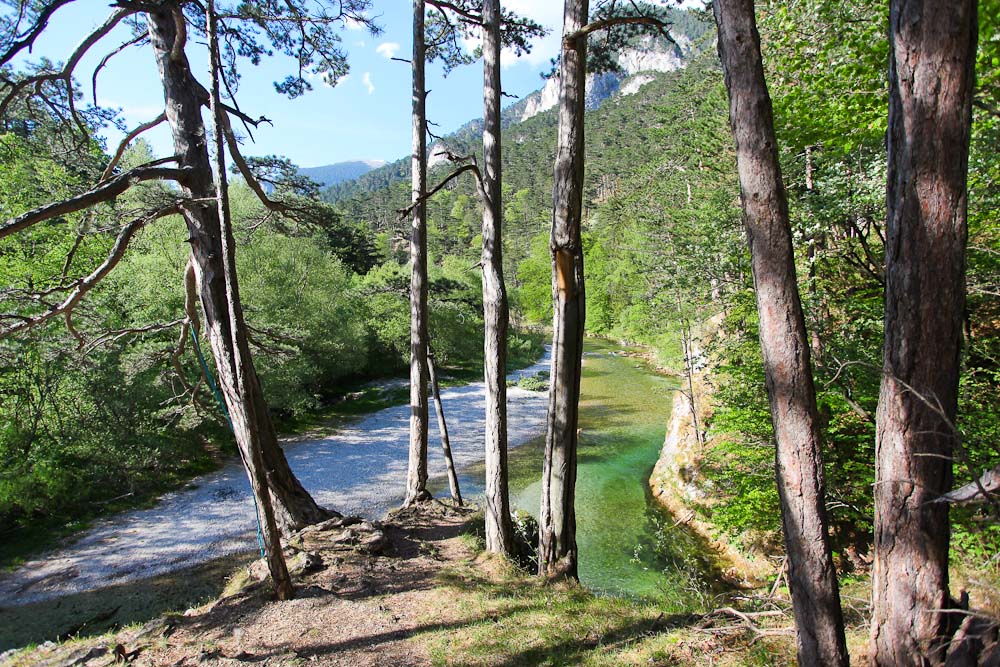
x=746 y=619
x=978 y=490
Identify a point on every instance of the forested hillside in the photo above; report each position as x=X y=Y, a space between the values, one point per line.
x=331 y=174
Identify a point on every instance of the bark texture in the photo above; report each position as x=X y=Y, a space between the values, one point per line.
x=931 y=78
x=183 y=97
x=244 y=376
x=416 y=476
x=557 y=549
x=499 y=530
x=785 y=347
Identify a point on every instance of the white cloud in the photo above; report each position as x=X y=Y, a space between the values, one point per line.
x=543 y=49
x=367 y=80
x=387 y=49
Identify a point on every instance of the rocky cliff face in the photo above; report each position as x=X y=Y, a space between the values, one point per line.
x=650 y=54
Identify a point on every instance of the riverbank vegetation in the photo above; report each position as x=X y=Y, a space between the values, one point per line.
x=110 y=426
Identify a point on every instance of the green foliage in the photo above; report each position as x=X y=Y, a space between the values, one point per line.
x=533 y=296
x=537 y=382
x=305 y=317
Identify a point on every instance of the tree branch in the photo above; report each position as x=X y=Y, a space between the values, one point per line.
x=247 y=173
x=138 y=39
x=620 y=20
x=104 y=191
x=476 y=19
x=41 y=23
x=405 y=212
x=66 y=74
x=127 y=140
x=118 y=334
x=977 y=491
x=84 y=285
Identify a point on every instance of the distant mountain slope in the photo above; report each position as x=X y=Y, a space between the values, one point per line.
x=647 y=55
x=331 y=174
x=628 y=133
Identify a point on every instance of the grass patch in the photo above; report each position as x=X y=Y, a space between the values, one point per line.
x=509 y=619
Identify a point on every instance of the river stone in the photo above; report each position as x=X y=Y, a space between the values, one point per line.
x=305 y=562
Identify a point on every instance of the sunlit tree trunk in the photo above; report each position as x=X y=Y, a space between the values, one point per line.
x=557 y=549
x=785 y=347
x=294 y=508
x=416 y=477
x=241 y=384
x=499 y=531
x=931 y=78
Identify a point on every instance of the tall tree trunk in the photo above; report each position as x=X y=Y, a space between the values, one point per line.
x=243 y=373
x=499 y=530
x=557 y=550
x=449 y=462
x=785 y=347
x=931 y=78
x=293 y=506
x=416 y=477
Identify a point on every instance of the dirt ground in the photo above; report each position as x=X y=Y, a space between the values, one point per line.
x=362 y=590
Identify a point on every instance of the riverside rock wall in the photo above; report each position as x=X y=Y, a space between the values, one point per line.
x=677 y=481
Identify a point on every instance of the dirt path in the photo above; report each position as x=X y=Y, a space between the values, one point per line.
x=358 y=470
x=364 y=592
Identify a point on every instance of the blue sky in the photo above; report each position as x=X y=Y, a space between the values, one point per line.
x=366 y=116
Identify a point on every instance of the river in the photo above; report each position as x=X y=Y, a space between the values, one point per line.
x=628 y=543
x=127 y=568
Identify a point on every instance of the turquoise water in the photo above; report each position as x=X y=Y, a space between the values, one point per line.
x=628 y=543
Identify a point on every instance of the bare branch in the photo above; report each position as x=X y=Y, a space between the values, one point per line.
x=104 y=191
x=475 y=19
x=405 y=212
x=84 y=285
x=981 y=489
x=66 y=74
x=620 y=20
x=118 y=334
x=127 y=140
x=138 y=39
x=247 y=173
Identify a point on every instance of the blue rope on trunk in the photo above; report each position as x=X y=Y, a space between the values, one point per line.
x=225 y=411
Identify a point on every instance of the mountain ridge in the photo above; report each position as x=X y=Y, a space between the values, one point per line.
x=647 y=54
x=339 y=172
